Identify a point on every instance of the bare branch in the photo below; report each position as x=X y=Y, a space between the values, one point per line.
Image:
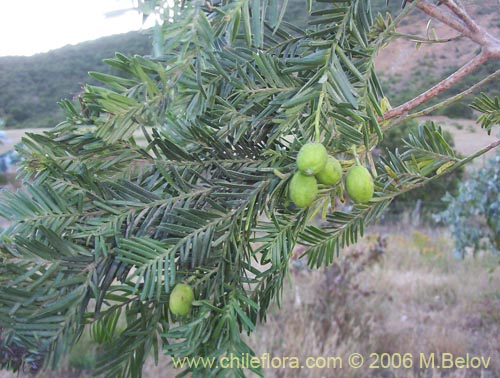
x=445 y=17
x=476 y=34
x=438 y=88
x=463 y=23
x=417 y=38
x=462 y=14
x=450 y=100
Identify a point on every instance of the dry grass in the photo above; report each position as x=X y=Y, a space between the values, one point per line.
x=417 y=298
x=423 y=301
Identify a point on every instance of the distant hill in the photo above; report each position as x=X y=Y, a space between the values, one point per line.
x=30 y=87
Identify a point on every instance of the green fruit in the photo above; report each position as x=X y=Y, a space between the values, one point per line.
x=331 y=172
x=311 y=158
x=181 y=299
x=303 y=189
x=359 y=184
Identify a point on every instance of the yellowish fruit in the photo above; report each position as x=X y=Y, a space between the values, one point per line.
x=359 y=184
x=181 y=299
x=311 y=158
x=303 y=189
x=331 y=172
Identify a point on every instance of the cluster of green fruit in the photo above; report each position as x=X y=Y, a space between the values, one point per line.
x=314 y=166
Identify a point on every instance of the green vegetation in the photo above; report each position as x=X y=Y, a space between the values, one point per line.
x=378 y=297
x=32 y=86
x=431 y=195
x=296 y=9
x=106 y=227
x=473 y=214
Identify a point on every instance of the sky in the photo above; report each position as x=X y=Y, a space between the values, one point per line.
x=28 y=27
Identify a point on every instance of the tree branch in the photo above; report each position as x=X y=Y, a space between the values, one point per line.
x=459 y=96
x=463 y=23
x=440 y=87
x=462 y=14
x=417 y=38
x=442 y=104
x=475 y=33
x=445 y=17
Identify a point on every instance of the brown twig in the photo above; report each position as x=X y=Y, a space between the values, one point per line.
x=463 y=23
x=438 y=88
x=453 y=20
x=446 y=102
x=462 y=14
x=445 y=16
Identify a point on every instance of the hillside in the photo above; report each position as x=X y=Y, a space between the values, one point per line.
x=32 y=86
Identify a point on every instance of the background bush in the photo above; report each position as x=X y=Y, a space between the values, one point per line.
x=473 y=214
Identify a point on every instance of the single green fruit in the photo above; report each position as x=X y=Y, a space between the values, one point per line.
x=303 y=189
x=359 y=184
x=311 y=158
x=331 y=172
x=181 y=299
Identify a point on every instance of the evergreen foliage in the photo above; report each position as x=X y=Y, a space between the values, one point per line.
x=431 y=195
x=105 y=228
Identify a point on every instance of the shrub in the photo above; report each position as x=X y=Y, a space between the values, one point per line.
x=473 y=215
x=458 y=109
